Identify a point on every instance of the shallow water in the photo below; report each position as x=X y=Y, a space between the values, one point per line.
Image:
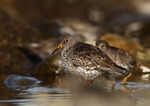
x=45 y=94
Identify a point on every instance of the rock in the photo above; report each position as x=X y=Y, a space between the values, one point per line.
x=120 y=42
x=144 y=55
x=145 y=77
x=17 y=82
x=14 y=61
x=13 y=33
x=51 y=66
x=143 y=60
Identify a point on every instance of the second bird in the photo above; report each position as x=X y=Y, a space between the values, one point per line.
x=119 y=56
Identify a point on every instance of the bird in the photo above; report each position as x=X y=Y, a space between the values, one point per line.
x=84 y=60
x=119 y=56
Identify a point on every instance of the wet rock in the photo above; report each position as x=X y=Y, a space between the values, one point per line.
x=143 y=60
x=14 y=61
x=51 y=66
x=17 y=82
x=144 y=55
x=145 y=77
x=120 y=42
x=14 y=32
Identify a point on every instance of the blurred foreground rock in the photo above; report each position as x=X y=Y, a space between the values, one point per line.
x=17 y=82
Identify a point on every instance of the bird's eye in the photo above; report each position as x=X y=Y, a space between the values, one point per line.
x=102 y=46
x=66 y=41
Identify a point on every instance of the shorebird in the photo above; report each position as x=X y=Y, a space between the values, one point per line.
x=85 y=60
x=119 y=56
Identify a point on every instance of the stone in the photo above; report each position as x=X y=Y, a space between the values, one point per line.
x=143 y=60
x=17 y=82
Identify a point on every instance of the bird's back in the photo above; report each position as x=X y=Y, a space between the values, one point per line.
x=122 y=58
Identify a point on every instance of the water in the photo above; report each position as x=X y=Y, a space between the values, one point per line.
x=136 y=92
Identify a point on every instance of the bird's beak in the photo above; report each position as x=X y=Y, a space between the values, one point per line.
x=58 y=47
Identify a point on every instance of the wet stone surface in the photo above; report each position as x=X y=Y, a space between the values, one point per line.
x=143 y=60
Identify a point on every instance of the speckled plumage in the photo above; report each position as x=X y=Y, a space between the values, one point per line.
x=119 y=56
x=85 y=60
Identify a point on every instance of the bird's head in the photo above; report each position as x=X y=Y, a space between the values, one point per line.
x=65 y=41
x=102 y=45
